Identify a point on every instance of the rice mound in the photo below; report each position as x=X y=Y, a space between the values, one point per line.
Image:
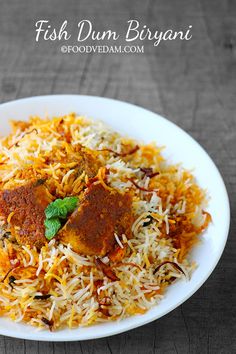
x=168 y=206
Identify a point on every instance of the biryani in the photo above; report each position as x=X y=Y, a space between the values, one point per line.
x=94 y=226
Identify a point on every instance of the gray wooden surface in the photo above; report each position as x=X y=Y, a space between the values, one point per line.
x=192 y=83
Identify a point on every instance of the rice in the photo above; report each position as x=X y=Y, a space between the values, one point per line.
x=169 y=211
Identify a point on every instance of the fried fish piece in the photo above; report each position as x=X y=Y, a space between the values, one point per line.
x=90 y=229
x=26 y=204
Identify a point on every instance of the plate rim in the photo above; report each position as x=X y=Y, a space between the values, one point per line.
x=37 y=335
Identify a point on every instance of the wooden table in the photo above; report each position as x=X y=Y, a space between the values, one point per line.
x=193 y=83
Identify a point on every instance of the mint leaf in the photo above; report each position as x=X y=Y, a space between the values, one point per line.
x=61 y=207
x=56 y=209
x=52 y=227
x=70 y=203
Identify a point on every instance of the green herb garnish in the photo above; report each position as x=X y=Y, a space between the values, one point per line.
x=56 y=212
x=52 y=227
x=61 y=207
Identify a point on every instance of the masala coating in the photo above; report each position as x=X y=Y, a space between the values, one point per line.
x=27 y=204
x=101 y=213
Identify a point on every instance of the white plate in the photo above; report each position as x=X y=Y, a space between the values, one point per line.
x=180 y=147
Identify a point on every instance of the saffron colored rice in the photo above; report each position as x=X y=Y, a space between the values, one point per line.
x=169 y=209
